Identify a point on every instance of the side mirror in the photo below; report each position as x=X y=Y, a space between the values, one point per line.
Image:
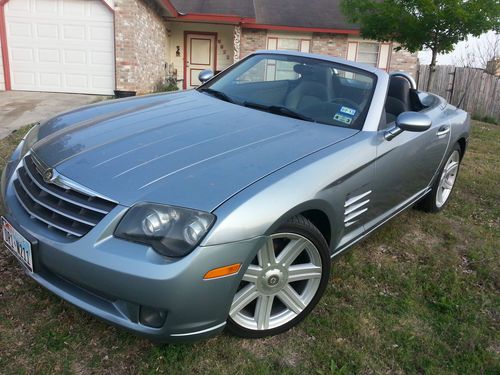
x=409 y=121
x=205 y=75
x=413 y=121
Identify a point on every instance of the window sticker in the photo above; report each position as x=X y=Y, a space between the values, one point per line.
x=341 y=118
x=348 y=111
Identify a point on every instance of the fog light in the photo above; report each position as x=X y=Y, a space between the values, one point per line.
x=151 y=317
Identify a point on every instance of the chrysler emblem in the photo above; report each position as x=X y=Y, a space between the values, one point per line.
x=48 y=175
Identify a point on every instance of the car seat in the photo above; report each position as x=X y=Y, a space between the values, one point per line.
x=315 y=86
x=398 y=98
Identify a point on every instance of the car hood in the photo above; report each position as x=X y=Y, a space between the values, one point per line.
x=186 y=149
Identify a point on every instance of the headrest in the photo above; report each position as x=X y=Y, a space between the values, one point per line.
x=303 y=69
x=399 y=87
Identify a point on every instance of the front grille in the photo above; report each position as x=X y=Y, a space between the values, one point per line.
x=65 y=210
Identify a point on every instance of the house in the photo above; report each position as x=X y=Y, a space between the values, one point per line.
x=97 y=46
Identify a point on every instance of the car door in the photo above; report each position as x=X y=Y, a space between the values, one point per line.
x=406 y=165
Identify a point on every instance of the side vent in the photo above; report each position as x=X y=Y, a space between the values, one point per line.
x=355 y=207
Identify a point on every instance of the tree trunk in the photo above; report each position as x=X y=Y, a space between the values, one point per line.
x=432 y=68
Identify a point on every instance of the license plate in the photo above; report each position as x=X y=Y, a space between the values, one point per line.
x=17 y=244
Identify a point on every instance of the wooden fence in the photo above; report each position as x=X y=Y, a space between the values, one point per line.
x=471 y=89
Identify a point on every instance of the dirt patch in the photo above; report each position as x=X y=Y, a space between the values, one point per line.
x=418 y=238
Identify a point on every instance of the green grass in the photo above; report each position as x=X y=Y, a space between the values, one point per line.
x=421 y=295
x=482 y=118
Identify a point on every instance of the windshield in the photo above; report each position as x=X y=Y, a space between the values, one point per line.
x=300 y=87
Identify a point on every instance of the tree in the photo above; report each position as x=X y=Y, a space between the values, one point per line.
x=477 y=52
x=423 y=24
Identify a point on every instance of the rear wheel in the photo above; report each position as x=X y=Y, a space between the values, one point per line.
x=283 y=283
x=443 y=186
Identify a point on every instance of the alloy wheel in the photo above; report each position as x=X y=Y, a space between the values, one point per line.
x=447 y=179
x=279 y=284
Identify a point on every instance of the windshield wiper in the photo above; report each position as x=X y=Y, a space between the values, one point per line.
x=279 y=110
x=217 y=94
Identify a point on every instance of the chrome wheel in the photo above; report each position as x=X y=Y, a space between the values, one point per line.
x=447 y=179
x=279 y=284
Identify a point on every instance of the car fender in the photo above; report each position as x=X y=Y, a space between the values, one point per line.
x=321 y=181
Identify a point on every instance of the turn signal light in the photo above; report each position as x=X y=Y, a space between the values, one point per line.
x=222 y=271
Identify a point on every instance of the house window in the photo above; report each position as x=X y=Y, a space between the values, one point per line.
x=283 y=69
x=269 y=70
x=371 y=53
x=368 y=53
x=289 y=44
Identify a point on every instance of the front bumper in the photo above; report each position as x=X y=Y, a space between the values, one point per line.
x=113 y=278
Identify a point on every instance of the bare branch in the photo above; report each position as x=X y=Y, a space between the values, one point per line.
x=478 y=51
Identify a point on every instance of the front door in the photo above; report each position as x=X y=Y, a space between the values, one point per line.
x=406 y=165
x=200 y=55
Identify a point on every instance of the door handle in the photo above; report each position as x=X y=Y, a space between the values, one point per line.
x=443 y=130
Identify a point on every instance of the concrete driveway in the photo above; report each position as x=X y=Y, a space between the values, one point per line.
x=19 y=108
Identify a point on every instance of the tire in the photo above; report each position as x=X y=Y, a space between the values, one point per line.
x=267 y=302
x=442 y=188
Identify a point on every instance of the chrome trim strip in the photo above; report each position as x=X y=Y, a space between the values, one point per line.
x=53 y=209
x=354 y=215
x=62 y=229
x=199 y=332
x=65 y=182
x=355 y=207
x=356 y=198
x=350 y=223
x=61 y=196
x=39 y=165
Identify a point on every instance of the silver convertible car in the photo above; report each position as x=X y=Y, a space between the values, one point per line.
x=178 y=215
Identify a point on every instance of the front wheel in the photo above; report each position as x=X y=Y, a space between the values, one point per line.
x=283 y=283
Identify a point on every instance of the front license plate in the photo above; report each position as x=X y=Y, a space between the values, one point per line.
x=17 y=244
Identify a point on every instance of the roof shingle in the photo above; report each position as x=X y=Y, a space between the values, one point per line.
x=242 y=8
x=311 y=13
x=325 y=14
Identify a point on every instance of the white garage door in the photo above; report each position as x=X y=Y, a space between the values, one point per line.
x=61 y=46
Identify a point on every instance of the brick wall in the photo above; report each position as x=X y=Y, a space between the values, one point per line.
x=252 y=40
x=403 y=61
x=329 y=44
x=140 y=45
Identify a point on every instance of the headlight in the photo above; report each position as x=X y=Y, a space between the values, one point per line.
x=30 y=138
x=171 y=231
